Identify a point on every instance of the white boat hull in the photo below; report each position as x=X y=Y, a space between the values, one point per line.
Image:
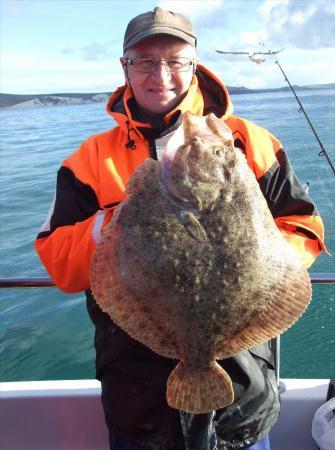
x=67 y=415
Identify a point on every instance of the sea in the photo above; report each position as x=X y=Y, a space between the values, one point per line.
x=46 y=334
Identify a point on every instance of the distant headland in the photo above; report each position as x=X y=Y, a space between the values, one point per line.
x=41 y=100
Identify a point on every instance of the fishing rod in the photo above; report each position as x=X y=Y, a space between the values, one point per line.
x=323 y=150
x=255 y=57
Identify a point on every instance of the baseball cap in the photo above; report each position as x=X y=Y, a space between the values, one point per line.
x=158 y=21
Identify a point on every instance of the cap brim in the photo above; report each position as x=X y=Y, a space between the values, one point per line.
x=160 y=30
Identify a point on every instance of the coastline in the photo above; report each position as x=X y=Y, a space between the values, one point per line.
x=15 y=101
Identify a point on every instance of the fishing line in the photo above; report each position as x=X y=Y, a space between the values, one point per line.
x=301 y=109
x=323 y=151
x=321 y=183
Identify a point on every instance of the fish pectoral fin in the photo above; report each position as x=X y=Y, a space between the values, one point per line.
x=199 y=390
x=193 y=226
x=289 y=301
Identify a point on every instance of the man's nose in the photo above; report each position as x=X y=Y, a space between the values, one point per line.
x=161 y=72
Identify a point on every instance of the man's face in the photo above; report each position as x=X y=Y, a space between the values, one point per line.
x=160 y=91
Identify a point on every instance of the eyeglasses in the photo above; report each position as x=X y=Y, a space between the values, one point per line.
x=147 y=65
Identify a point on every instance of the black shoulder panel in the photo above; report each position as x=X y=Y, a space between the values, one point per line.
x=283 y=191
x=75 y=201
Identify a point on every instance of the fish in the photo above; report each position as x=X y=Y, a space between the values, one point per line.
x=193 y=266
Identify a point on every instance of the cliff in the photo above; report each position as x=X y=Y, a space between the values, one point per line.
x=43 y=100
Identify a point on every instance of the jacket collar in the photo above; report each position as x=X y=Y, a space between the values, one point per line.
x=206 y=94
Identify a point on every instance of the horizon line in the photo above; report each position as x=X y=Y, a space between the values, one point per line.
x=113 y=90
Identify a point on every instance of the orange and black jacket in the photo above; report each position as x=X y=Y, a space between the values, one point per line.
x=91 y=182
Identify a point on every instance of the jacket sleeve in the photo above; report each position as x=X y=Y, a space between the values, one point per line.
x=293 y=210
x=68 y=238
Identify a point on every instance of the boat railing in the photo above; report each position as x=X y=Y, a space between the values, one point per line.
x=316 y=278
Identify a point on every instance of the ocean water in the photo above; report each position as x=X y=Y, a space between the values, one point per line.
x=46 y=334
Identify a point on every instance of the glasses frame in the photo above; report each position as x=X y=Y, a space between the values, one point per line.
x=191 y=62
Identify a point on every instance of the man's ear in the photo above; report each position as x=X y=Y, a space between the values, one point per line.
x=125 y=69
x=195 y=65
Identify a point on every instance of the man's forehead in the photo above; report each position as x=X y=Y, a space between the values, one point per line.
x=161 y=43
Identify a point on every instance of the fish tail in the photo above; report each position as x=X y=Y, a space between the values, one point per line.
x=199 y=390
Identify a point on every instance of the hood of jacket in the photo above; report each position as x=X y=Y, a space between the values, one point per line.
x=206 y=94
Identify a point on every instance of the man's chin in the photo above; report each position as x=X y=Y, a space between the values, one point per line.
x=157 y=108
x=163 y=107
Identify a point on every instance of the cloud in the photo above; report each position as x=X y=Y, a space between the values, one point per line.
x=241 y=72
x=194 y=10
x=39 y=72
x=205 y=16
x=94 y=51
x=299 y=23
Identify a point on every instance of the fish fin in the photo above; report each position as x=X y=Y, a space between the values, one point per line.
x=193 y=226
x=289 y=301
x=199 y=390
x=127 y=311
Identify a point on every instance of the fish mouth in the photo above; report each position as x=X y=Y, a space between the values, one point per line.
x=187 y=167
x=205 y=164
x=192 y=161
x=170 y=186
x=175 y=196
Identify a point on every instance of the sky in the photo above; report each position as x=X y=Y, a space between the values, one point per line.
x=50 y=46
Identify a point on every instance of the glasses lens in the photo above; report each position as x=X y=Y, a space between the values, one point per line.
x=144 y=64
x=178 y=64
x=147 y=65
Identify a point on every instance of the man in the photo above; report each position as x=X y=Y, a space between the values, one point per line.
x=163 y=80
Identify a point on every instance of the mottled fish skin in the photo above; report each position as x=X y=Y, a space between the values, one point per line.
x=193 y=266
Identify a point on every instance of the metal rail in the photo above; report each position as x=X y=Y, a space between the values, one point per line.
x=316 y=278
x=26 y=282
x=322 y=278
